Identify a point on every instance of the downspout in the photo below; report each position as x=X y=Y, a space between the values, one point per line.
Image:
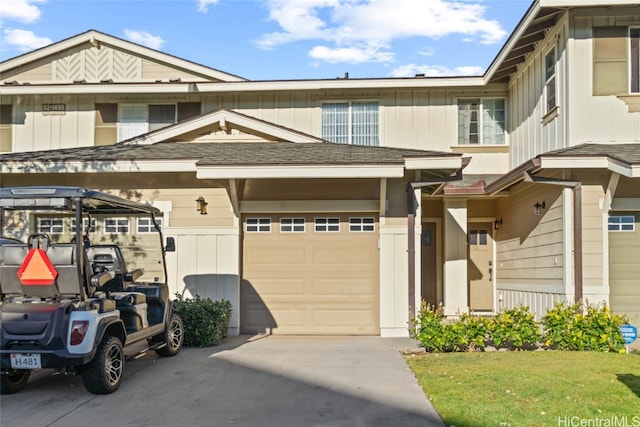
x=412 y=204
x=576 y=186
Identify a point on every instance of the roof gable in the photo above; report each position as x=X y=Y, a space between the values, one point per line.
x=94 y=57
x=222 y=126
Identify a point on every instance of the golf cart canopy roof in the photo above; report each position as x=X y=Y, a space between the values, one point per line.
x=64 y=199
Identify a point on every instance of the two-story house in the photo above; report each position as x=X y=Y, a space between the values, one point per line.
x=336 y=206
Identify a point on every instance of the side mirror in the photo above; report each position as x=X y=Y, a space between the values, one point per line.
x=171 y=245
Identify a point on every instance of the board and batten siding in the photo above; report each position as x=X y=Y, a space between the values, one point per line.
x=530 y=249
x=532 y=131
x=599 y=76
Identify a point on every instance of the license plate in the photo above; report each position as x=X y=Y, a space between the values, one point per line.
x=25 y=361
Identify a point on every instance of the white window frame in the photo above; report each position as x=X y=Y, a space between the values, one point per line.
x=362 y=224
x=55 y=225
x=85 y=225
x=257 y=225
x=144 y=225
x=481 y=101
x=131 y=129
x=620 y=226
x=634 y=60
x=326 y=225
x=352 y=137
x=293 y=225
x=116 y=225
x=550 y=81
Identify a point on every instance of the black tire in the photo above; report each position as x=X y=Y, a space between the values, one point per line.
x=173 y=336
x=104 y=373
x=14 y=380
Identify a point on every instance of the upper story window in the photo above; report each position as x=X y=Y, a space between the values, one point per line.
x=481 y=121
x=137 y=119
x=550 y=81
x=351 y=122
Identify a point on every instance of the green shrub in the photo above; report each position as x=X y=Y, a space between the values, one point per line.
x=205 y=321
x=574 y=327
x=516 y=328
x=429 y=330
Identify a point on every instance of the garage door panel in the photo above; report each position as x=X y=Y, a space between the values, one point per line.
x=624 y=273
x=342 y=286
x=311 y=282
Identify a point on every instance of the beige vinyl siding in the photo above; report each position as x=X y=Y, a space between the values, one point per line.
x=106 y=130
x=37 y=72
x=530 y=263
x=624 y=253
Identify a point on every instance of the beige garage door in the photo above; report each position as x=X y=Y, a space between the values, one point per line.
x=624 y=270
x=310 y=274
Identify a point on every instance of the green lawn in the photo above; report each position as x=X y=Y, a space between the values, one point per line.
x=542 y=388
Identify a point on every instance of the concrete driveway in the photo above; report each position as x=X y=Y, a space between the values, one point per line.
x=245 y=381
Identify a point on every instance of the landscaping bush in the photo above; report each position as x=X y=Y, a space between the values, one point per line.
x=565 y=327
x=205 y=321
x=515 y=328
x=574 y=327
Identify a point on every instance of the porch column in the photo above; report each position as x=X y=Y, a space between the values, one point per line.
x=455 y=258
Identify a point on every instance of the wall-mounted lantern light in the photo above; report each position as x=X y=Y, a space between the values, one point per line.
x=497 y=223
x=201 y=205
x=538 y=207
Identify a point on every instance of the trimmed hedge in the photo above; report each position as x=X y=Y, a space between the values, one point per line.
x=205 y=321
x=565 y=327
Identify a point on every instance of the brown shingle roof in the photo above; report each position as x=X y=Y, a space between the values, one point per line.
x=236 y=154
x=626 y=153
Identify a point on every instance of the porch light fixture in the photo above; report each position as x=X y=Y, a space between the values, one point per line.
x=497 y=223
x=538 y=207
x=201 y=205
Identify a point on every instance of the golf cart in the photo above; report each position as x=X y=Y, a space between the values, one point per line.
x=76 y=302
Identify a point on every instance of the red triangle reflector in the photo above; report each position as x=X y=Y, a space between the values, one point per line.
x=37 y=269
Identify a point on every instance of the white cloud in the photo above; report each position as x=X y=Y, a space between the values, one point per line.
x=23 y=40
x=352 y=55
x=203 y=5
x=20 y=10
x=144 y=38
x=411 y=70
x=371 y=26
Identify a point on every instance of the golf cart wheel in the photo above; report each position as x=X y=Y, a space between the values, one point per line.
x=14 y=380
x=173 y=337
x=104 y=373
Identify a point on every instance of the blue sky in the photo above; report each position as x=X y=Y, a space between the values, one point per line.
x=283 y=39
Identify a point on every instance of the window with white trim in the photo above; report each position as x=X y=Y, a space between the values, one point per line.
x=257 y=225
x=367 y=224
x=116 y=225
x=51 y=225
x=622 y=223
x=327 y=225
x=550 y=81
x=481 y=121
x=138 y=119
x=144 y=225
x=292 y=225
x=353 y=122
x=85 y=225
